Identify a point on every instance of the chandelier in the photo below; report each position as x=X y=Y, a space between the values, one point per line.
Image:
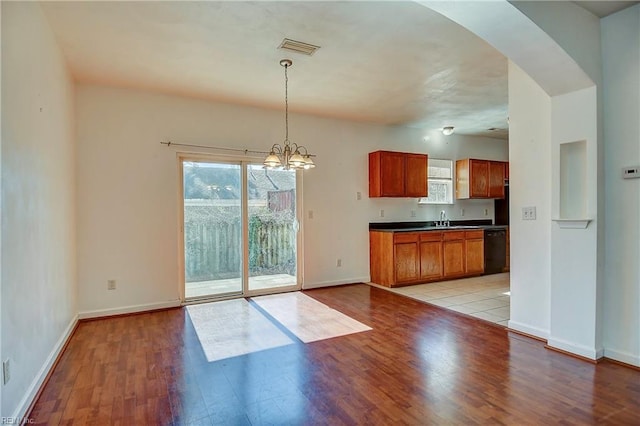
x=288 y=156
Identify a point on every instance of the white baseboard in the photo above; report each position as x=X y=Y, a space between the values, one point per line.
x=129 y=309
x=32 y=390
x=527 y=329
x=622 y=356
x=584 y=351
x=307 y=286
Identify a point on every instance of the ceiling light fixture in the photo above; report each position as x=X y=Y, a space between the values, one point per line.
x=288 y=156
x=448 y=130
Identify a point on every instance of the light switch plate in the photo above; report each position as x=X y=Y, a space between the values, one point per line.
x=528 y=213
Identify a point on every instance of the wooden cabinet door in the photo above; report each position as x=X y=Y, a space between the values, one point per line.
x=479 y=178
x=407 y=262
x=474 y=256
x=381 y=262
x=462 y=179
x=397 y=174
x=430 y=260
x=453 y=253
x=496 y=179
x=416 y=175
x=392 y=174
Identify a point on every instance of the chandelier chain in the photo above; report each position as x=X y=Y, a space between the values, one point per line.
x=286 y=103
x=288 y=156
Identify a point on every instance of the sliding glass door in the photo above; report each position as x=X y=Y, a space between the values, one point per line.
x=212 y=229
x=273 y=228
x=240 y=229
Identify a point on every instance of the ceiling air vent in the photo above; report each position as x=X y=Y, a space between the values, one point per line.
x=299 y=47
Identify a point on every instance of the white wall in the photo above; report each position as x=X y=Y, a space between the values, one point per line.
x=38 y=198
x=621 y=65
x=529 y=186
x=577 y=256
x=1 y=214
x=572 y=27
x=128 y=185
x=575 y=327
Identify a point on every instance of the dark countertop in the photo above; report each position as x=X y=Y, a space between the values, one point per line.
x=454 y=225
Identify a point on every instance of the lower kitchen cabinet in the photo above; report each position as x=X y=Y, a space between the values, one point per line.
x=430 y=256
x=454 y=254
x=406 y=252
x=402 y=258
x=474 y=252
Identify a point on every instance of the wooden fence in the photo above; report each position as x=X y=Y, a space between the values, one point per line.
x=213 y=249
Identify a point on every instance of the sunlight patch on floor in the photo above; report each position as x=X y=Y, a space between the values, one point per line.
x=307 y=318
x=232 y=328
x=235 y=327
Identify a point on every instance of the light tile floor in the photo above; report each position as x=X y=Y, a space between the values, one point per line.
x=485 y=297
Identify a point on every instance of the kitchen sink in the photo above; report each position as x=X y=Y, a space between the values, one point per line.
x=458 y=227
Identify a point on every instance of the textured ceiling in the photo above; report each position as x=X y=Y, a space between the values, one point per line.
x=384 y=62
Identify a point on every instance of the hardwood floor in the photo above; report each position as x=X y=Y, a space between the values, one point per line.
x=420 y=364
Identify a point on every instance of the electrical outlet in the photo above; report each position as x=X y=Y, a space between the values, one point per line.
x=413 y=213
x=339 y=263
x=461 y=212
x=631 y=172
x=358 y=195
x=111 y=284
x=486 y=212
x=6 y=371
x=310 y=214
x=381 y=213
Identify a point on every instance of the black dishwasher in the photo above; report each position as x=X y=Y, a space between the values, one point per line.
x=495 y=250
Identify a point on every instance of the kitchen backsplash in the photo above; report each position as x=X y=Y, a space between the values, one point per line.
x=390 y=210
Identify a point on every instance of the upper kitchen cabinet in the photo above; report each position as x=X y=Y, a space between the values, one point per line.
x=480 y=178
x=397 y=174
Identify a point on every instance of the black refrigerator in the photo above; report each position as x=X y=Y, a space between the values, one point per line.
x=501 y=208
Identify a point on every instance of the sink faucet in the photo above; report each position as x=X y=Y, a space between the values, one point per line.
x=444 y=221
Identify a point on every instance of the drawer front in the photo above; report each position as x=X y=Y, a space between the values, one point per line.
x=453 y=235
x=431 y=236
x=474 y=234
x=405 y=237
